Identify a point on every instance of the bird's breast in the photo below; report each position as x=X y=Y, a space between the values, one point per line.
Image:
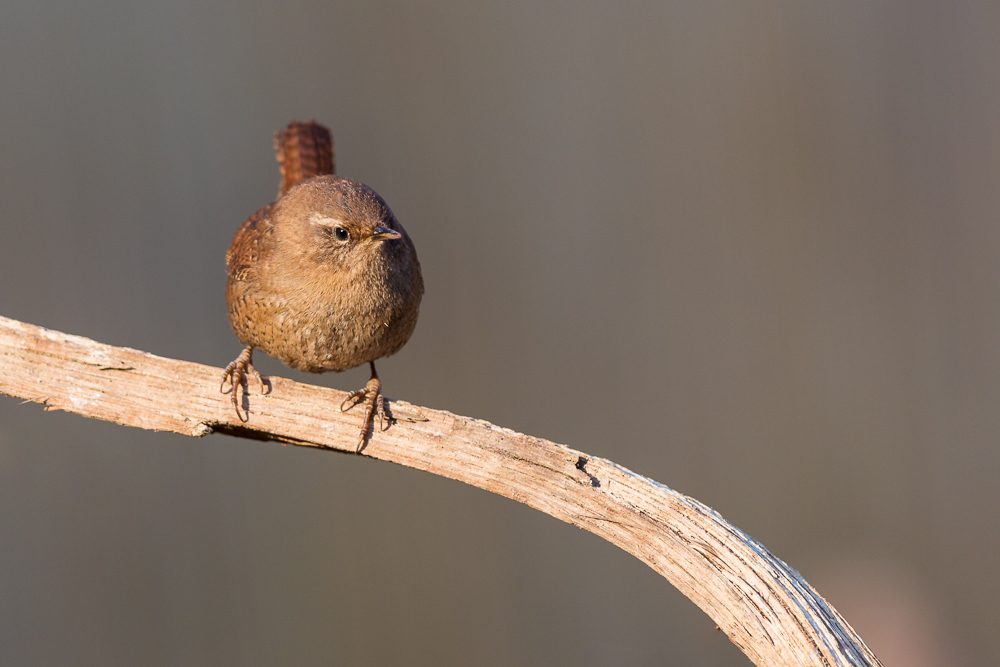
x=326 y=324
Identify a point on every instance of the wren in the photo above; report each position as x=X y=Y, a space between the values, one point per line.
x=324 y=279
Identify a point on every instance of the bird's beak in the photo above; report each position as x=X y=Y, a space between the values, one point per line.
x=384 y=234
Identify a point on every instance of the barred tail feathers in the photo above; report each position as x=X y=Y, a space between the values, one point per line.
x=304 y=150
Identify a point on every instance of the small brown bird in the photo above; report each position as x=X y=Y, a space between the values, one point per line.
x=325 y=278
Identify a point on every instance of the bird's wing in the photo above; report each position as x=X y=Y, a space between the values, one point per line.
x=250 y=243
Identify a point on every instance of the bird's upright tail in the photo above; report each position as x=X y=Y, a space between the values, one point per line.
x=304 y=150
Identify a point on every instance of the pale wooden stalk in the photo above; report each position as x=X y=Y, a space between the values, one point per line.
x=764 y=606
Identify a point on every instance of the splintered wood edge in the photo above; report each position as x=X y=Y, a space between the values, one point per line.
x=763 y=605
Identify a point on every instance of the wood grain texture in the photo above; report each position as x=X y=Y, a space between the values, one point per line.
x=764 y=606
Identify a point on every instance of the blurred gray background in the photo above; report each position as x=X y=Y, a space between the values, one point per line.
x=750 y=250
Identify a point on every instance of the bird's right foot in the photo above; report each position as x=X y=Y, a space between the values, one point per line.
x=372 y=395
x=236 y=373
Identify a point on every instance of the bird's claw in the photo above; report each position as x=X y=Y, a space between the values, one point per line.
x=236 y=373
x=376 y=405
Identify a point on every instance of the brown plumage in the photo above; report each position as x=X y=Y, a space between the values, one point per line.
x=304 y=150
x=325 y=278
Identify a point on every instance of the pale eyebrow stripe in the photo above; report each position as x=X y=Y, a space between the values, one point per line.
x=326 y=221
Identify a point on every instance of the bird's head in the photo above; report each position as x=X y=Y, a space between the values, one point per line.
x=338 y=223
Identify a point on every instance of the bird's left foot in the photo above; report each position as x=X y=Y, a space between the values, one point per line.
x=236 y=373
x=375 y=405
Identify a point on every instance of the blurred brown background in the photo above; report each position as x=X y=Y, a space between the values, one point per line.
x=770 y=230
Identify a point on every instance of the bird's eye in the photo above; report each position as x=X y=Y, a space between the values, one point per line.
x=341 y=234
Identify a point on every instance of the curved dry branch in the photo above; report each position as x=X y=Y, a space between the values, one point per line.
x=764 y=606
